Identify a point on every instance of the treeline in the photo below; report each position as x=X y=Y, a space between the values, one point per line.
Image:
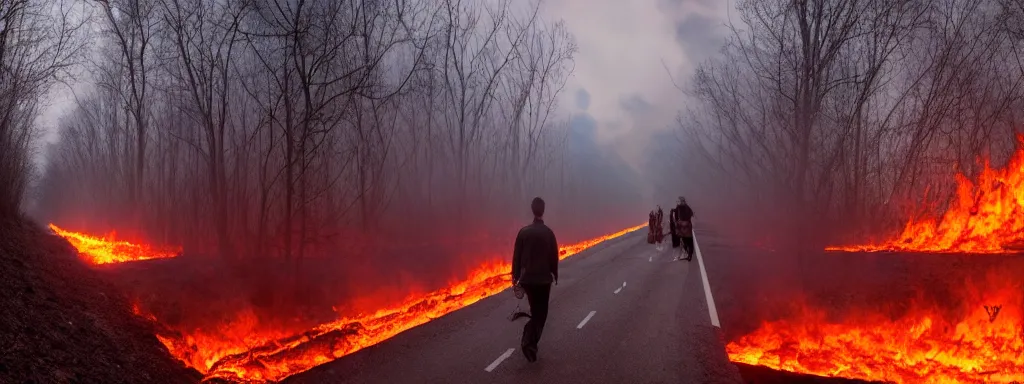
x=39 y=42
x=289 y=128
x=844 y=114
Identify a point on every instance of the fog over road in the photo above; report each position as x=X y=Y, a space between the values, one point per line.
x=623 y=312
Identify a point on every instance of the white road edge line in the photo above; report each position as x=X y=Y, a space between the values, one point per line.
x=499 y=360
x=585 y=320
x=618 y=290
x=712 y=311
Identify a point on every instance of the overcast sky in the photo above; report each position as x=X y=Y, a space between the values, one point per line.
x=620 y=79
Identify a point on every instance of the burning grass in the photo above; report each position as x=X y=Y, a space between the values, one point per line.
x=981 y=343
x=244 y=349
x=986 y=216
x=107 y=249
x=897 y=317
x=922 y=346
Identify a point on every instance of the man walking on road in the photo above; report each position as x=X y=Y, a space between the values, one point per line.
x=534 y=268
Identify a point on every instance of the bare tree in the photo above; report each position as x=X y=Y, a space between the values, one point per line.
x=133 y=24
x=279 y=128
x=90 y=159
x=206 y=35
x=535 y=80
x=376 y=107
x=849 y=106
x=472 y=68
x=38 y=44
x=769 y=97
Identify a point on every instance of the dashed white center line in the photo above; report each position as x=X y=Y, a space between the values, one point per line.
x=585 y=320
x=651 y=259
x=620 y=288
x=499 y=360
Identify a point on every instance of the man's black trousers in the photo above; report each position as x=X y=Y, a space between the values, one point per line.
x=538 y=295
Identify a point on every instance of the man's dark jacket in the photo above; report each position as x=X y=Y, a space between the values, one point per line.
x=535 y=257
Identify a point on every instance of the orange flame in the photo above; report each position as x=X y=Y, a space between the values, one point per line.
x=242 y=350
x=107 y=249
x=986 y=217
x=921 y=347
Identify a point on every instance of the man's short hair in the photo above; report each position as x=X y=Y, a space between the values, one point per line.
x=537 y=206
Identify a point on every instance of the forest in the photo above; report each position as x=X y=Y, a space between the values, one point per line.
x=288 y=129
x=838 y=118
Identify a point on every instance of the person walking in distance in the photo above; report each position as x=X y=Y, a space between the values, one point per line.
x=535 y=268
x=684 y=217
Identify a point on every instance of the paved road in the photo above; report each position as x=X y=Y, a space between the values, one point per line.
x=623 y=312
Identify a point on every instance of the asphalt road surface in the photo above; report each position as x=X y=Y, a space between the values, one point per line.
x=623 y=312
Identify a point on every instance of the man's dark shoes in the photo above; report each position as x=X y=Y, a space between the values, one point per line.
x=530 y=352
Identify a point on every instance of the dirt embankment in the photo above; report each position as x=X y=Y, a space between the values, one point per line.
x=61 y=323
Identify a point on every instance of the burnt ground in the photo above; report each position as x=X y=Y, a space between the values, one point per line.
x=61 y=323
x=752 y=284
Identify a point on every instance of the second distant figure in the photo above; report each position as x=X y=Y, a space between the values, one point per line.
x=535 y=268
x=684 y=225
